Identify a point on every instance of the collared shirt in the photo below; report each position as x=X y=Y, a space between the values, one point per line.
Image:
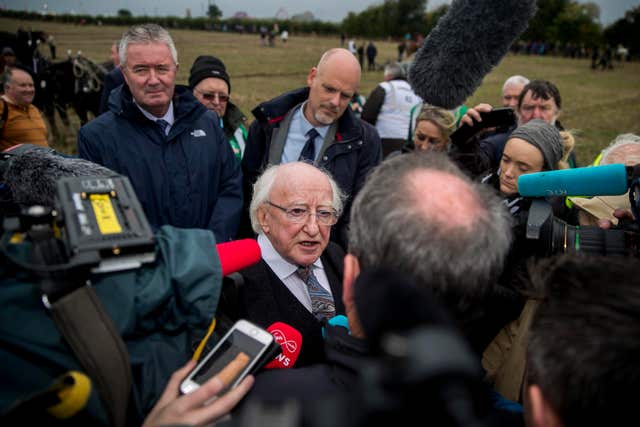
x=297 y=136
x=286 y=272
x=24 y=125
x=168 y=116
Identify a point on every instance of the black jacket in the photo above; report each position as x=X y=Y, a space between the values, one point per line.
x=263 y=299
x=354 y=152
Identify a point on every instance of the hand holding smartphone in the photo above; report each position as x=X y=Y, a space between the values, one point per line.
x=498 y=117
x=232 y=358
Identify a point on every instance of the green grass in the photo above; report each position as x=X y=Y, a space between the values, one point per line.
x=597 y=105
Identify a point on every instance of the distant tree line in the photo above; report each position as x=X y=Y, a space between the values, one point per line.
x=560 y=22
x=125 y=18
x=557 y=21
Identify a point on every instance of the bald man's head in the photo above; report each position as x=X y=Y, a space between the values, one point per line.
x=419 y=214
x=332 y=84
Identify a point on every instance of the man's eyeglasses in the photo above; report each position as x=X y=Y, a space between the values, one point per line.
x=211 y=96
x=299 y=215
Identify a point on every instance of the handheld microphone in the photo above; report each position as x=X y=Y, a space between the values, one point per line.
x=290 y=340
x=238 y=254
x=608 y=180
x=468 y=41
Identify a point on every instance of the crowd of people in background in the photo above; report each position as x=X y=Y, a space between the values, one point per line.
x=365 y=210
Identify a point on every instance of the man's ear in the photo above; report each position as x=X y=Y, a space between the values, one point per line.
x=262 y=219
x=312 y=75
x=351 y=272
x=539 y=411
x=123 y=69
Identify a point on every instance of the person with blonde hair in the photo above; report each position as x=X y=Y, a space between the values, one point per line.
x=434 y=126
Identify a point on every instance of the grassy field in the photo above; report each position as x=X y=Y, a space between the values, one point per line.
x=597 y=105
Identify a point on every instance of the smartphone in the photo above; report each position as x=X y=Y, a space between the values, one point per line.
x=233 y=357
x=502 y=117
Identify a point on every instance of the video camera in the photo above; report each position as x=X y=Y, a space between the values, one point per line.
x=97 y=226
x=556 y=236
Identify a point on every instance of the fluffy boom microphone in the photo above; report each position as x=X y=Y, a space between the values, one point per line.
x=468 y=41
x=30 y=172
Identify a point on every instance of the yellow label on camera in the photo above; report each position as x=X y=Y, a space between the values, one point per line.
x=105 y=215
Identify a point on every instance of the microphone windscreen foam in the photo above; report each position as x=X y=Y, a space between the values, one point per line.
x=468 y=41
x=238 y=254
x=33 y=171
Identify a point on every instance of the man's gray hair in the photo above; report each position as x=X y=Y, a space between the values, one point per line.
x=394 y=70
x=146 y=34
x=263 y=186
x=391 y=226
x=624 y=149
x=515 y=80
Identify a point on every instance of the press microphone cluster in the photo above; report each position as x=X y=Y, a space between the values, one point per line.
x=608 y=180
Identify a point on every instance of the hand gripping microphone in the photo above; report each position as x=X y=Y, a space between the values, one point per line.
x=608 y=180
x=290 y=342
x=238 y=254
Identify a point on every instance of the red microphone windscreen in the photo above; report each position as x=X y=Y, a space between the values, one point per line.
x=290 y=340
x=238 y=254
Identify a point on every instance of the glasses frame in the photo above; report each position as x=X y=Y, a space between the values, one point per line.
x=303 y=219
x=211 y=96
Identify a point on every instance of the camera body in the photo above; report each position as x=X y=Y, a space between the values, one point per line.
x=555 y=236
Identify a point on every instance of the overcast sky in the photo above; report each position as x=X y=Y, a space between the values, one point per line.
x=326 y=10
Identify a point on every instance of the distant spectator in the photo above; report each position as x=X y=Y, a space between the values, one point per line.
x=352 y=47
x=433 y=128
x=372 y=52
x=401 y=48
x=8 y=58
x=360 y=51
x=388 y=108
x=20 y=121
x=511 y=90
x=113 y=79
x=211 y=85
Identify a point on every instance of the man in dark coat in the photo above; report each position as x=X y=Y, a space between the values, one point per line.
x=341 y=144
x=168 y=144
x=299 y=279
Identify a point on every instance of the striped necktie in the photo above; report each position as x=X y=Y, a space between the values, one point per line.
x=322 y=304
x=163 y=125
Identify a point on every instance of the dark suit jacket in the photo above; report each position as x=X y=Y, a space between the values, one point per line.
x=263 y=299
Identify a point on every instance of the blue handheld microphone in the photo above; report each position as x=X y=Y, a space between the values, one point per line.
x=606 y=180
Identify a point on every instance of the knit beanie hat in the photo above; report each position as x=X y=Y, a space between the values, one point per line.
x=545 y=137
x=207 y=66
